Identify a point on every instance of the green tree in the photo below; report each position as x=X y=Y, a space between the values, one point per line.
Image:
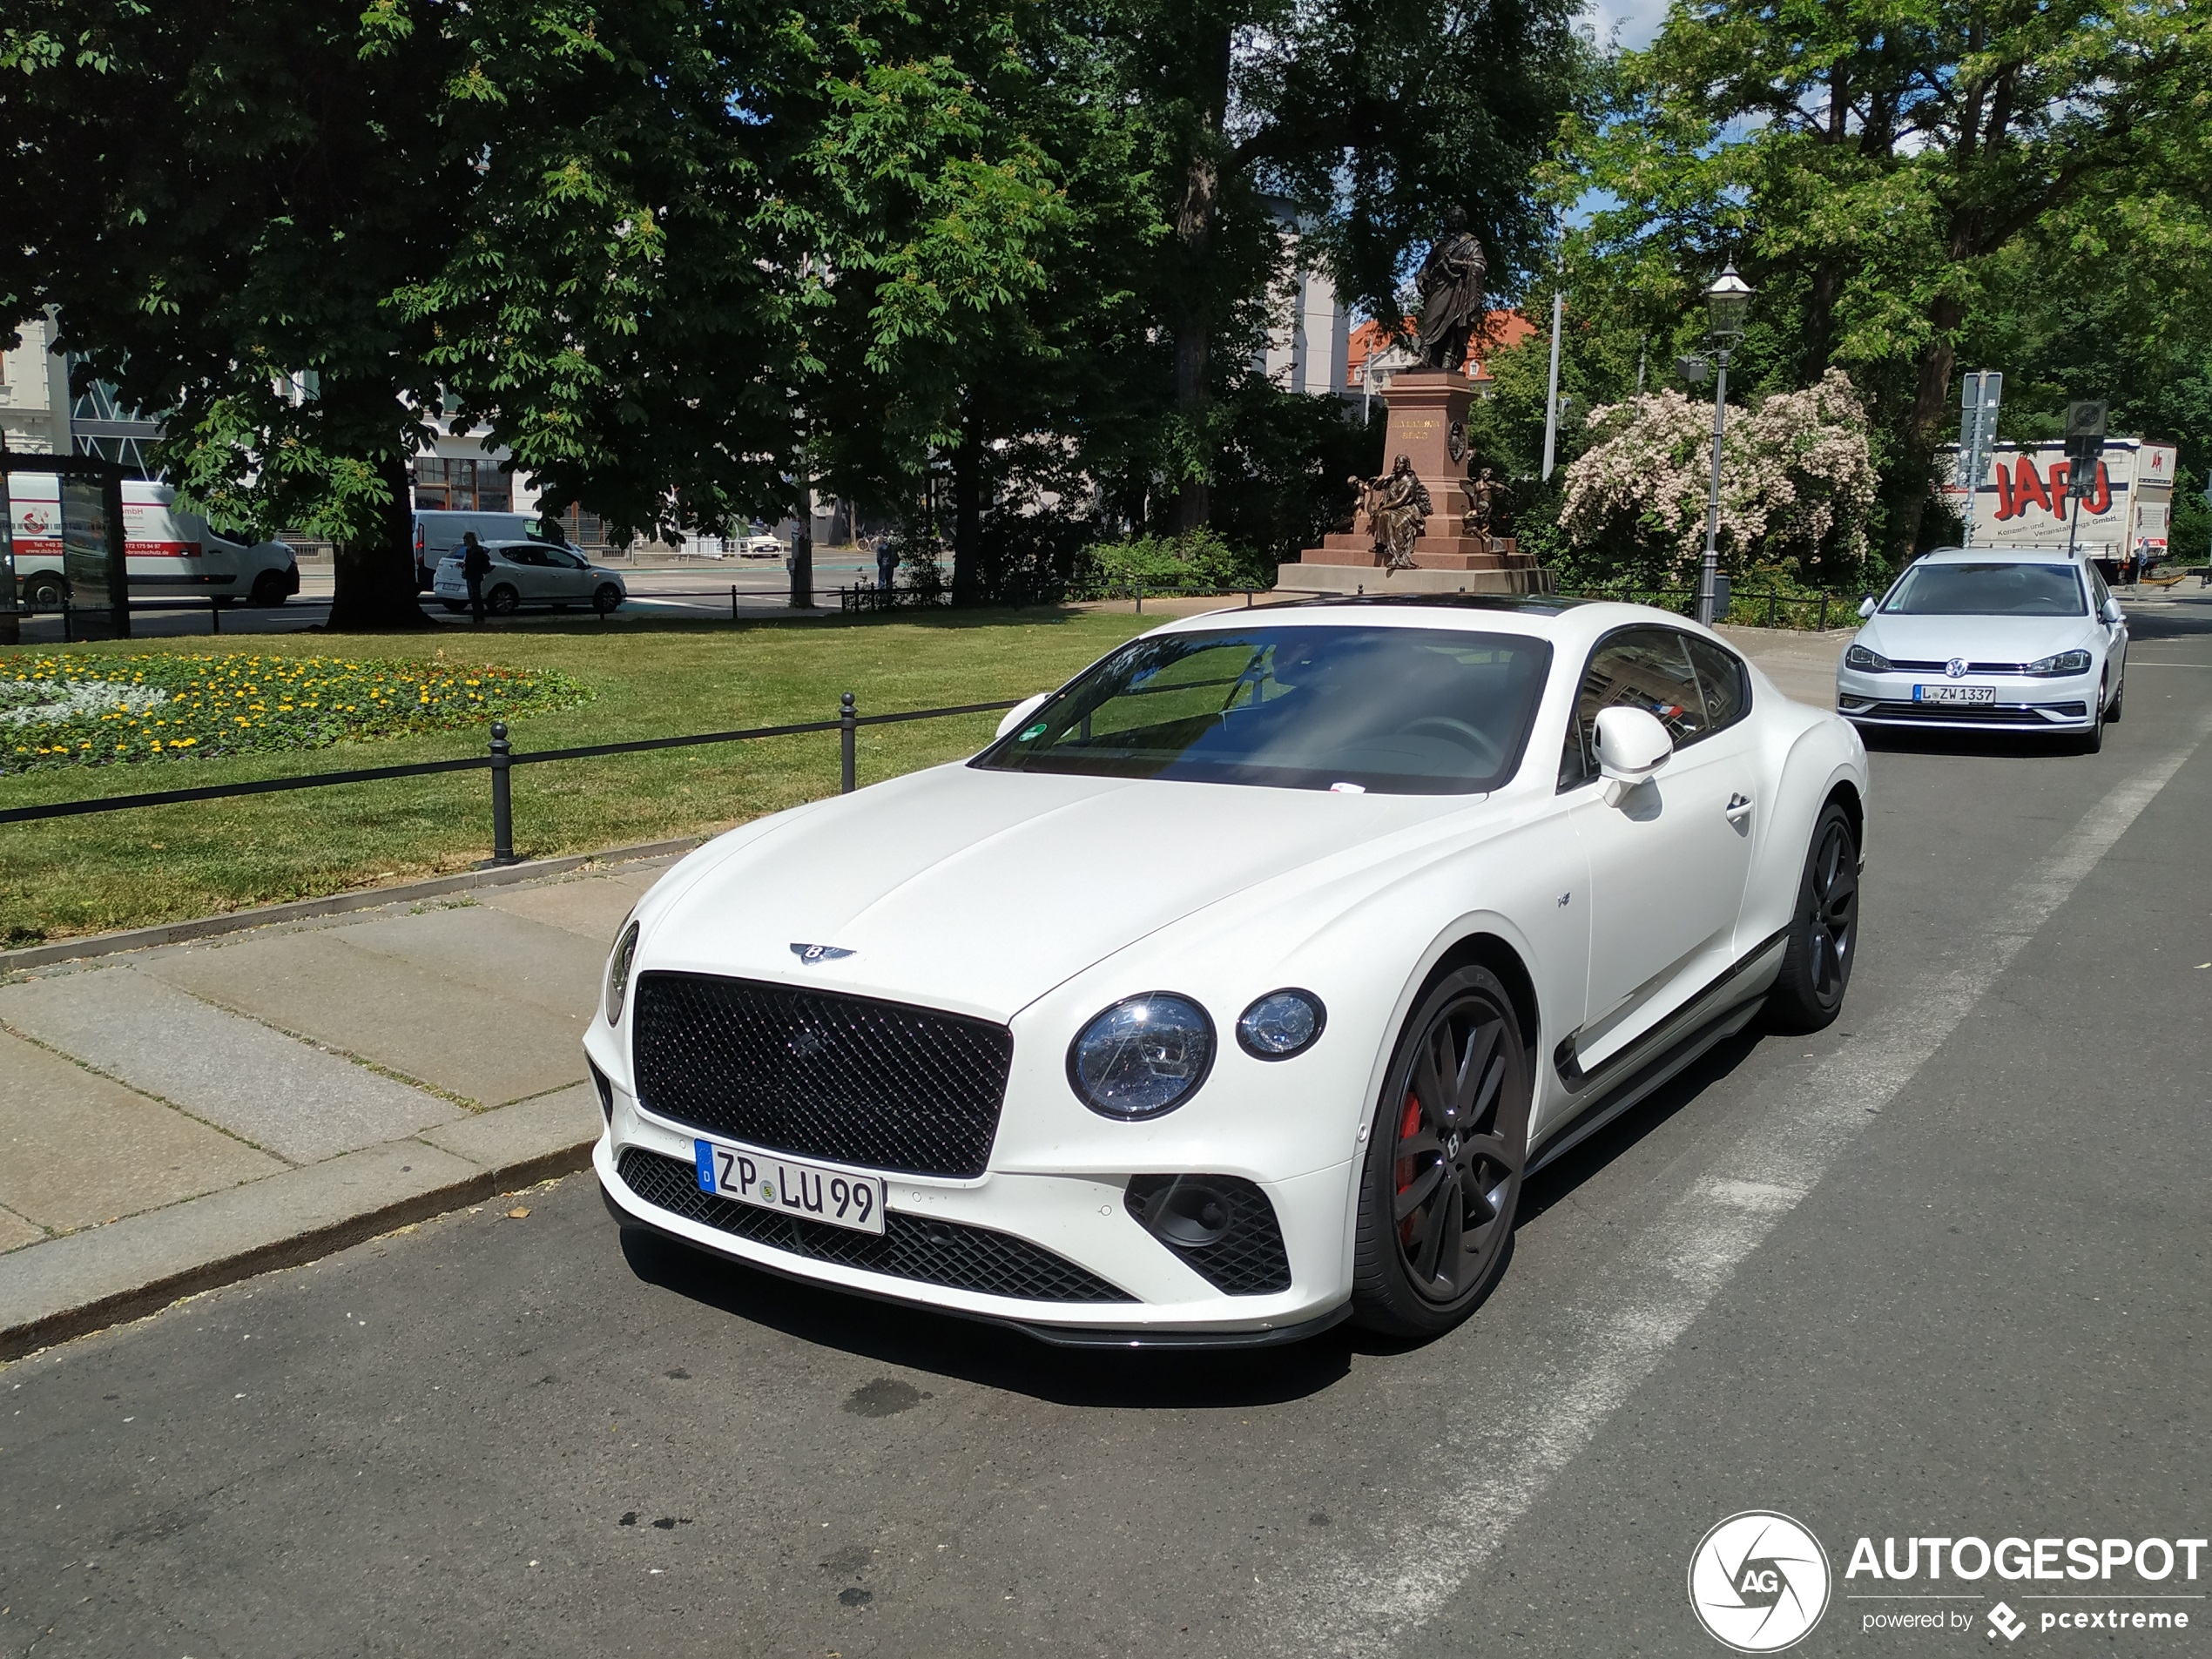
x=1874 y=166
x=300 y=234
x=1367 y=118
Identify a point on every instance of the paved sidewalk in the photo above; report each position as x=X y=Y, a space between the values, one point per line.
x=176 y=1116
x=173 y=1117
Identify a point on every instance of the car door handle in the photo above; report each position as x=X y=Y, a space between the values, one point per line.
x=1738 y=805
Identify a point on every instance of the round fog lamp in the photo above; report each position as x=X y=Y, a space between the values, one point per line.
x=618 y=972
x=1280 y=1024
x=1144 y=1055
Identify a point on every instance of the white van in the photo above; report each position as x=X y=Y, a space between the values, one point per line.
x=438 y=532
x=167 y=554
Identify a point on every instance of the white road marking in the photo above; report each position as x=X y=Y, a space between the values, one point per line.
x=1638 y=1308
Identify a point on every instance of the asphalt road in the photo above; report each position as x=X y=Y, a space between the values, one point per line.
x=1939 y=1270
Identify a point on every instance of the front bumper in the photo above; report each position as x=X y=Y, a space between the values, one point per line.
x=2022 y=704
x=1093 y=1275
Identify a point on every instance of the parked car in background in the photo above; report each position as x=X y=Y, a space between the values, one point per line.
x=1431 y=891
x=760 y=547
x=168 y=553
x=531 y=573
x=437 y=533
x=1990 y=640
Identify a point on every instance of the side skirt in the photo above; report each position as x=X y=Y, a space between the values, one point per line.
x=1723 y=1009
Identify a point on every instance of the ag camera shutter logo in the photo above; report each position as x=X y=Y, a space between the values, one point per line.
x=1758 y=1582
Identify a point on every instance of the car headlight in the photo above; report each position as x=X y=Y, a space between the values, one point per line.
x=1281 y=1025
x=2066 y=661
x=618 y=972
x=1866 y=661
x=1144 y=1055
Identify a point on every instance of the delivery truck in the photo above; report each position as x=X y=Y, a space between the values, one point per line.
x=2029 y=497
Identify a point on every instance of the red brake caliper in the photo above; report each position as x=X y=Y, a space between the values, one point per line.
x=1403 y=1170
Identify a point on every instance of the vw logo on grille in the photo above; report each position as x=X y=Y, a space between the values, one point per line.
x=1956 y=668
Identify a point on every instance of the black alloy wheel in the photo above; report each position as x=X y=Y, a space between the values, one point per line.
x=502 y=601
x=1824 y=932
x=1441 y=1179
x=2118 y=697
x=269 y=589
x=2092 y=740
x=606 y=599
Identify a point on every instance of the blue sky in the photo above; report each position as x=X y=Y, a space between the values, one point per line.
x=1638 y=20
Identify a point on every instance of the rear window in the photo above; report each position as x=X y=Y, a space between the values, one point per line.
x=1997 y=589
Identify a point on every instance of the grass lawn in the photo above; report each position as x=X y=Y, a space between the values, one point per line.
x=127 y=869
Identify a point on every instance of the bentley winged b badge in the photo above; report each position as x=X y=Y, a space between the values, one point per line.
x=809 y=955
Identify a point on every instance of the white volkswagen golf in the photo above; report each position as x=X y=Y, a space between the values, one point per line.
x=1238 y=985
x=1991 y=639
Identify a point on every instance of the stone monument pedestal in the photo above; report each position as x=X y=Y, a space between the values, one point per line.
x=1425 y=405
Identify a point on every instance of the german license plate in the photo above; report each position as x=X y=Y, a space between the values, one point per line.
x=770 y=1181
x=1969 y=694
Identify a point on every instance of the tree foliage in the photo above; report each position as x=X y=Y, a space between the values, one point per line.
x=1891 y=173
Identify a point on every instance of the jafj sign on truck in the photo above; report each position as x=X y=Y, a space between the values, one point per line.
x=2027 y=498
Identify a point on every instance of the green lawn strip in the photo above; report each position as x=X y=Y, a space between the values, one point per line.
x=106 y=871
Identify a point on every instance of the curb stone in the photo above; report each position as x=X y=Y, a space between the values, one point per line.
x=86 y=1281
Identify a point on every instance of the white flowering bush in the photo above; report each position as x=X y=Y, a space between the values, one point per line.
x=1797 y=481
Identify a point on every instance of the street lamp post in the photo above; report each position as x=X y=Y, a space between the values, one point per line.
x=1726 y=302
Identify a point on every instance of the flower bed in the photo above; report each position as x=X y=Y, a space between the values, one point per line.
x=71 y=709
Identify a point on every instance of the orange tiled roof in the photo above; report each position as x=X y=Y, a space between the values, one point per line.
x=1500 y=329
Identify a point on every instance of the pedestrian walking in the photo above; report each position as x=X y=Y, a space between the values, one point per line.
x=887 y=563
x=475 y=565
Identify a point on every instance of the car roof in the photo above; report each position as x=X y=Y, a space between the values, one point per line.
x=1545 y=615
x=2002 y=556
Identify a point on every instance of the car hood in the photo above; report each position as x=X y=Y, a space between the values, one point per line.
x=979 y=891
x=2007 y=639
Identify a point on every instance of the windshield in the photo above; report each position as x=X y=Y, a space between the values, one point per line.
x=1395 y=710
x=1987 y=590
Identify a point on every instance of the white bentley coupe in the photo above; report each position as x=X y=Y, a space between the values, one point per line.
x=1239 y=984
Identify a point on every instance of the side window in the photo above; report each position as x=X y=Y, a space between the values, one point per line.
x=1722 y=677
x=1637 y=667
x=2098 y=592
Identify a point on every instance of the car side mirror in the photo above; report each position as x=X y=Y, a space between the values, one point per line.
x=1631 y=746
x=1866 y=607
x=1020 y=713
x=2113 y=612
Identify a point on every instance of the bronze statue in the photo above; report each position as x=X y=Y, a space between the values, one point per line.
x=1482 y=505
x=1451 y=289
x=1397 y=506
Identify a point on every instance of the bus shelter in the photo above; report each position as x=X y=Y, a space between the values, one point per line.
x=85 y=533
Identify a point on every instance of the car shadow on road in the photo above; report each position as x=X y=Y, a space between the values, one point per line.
x=1993 y=746
x=993 y=1355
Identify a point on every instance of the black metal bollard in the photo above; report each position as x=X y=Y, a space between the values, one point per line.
x=1823 y=624
x=214 y=616
x=847 y=729
x=733 y=601
x=68 y=637
x=503 y=805
x=1140 y=598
